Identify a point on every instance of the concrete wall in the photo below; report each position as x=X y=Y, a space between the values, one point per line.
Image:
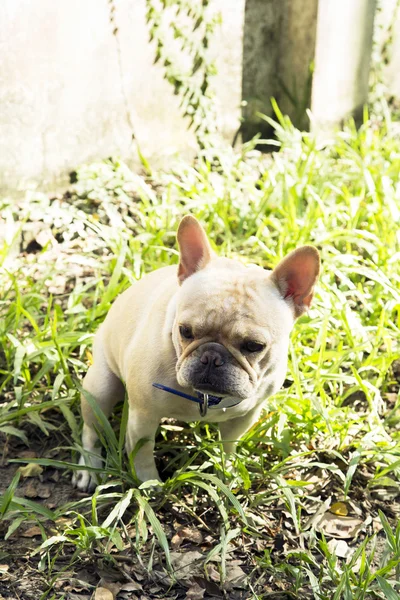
x=71 y=91
x=388 y=41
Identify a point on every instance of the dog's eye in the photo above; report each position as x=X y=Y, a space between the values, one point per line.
x=252 y=346
x=186 y=332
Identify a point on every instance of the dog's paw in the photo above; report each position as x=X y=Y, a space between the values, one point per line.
x=146 y=475
x=85 y=480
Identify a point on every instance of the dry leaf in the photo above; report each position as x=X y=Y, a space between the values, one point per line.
x=338 y=526
x=111 y=586
x=376 y=525
x=55 y=476
x=186 y=533
x=340 y=548
x=64 y=522
x=27 y=454
x=339 y=508
x=213 y=573
x=32 y=532
x=235 y=576
x=30 y=489
x=195 y=592
x=44 y=491
x=44 y=237
x=102 y=593
x=316 y=517
x=31 y=470
x=186 y=564
x=4 y=568
x=132 y=586
x=35 y=489
x=356 y=509
x=211 y=588
x=57 y=284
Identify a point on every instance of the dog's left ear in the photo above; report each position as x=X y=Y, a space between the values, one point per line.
x=195 y=249
x=296 y=275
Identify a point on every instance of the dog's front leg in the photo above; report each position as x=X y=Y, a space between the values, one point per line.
x=142 y=428
x=234 y=429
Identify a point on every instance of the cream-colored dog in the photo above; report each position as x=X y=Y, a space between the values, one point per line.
x=213 y=329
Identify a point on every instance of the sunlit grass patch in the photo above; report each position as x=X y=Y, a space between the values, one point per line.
x=330 y=437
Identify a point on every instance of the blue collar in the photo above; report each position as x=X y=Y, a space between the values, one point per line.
x=203 y=400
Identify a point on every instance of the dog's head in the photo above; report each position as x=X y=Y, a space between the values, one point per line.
x=232 y=324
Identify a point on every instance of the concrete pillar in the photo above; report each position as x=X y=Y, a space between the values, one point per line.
x=261 y=46
x=307 y=54
x=296 y=58
x=71 y=91
x=342 y=60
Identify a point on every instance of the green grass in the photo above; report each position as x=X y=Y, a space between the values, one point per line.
x=331 y=434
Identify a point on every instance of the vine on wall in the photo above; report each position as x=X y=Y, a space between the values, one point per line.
x=181 y=31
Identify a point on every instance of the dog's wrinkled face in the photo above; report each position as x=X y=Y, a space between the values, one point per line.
x=232 y=329
x=232 y=322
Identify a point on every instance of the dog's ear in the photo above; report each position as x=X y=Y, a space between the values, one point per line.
x=295 y=277
x=195 y=250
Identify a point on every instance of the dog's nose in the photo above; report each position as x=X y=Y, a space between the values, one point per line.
x=212 y=357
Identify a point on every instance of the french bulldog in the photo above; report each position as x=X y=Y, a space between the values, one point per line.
x=213 y=330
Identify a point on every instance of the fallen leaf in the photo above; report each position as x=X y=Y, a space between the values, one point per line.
x=55 y=476
x=64 y=522
x=186 y=564
x=356 y=509
x=339 y=508
x=235 y=576
x=102 y=593
x=60 y=583
x=338 y=526
x=30 y=489
x=44 y=491
x=44 y=237
x=57 y=284
x=316 y=517
x=340 y=548
x=31 y=470
x=376 y=525
x=186 y=533
x=213 y=573
x=32 y=532
x=132 y=586
x=195 y=592
x=111 y=586
x=4 y=568
x=210 y=587
x=35 y=489
x=27 y=454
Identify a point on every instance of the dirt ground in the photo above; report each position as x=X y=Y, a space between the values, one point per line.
x=24 y=577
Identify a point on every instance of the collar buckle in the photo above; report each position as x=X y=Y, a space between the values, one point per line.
x=205 y=401
x=203 y=404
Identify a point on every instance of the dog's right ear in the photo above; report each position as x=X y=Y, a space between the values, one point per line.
x=195 y=249
x=296 y=276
